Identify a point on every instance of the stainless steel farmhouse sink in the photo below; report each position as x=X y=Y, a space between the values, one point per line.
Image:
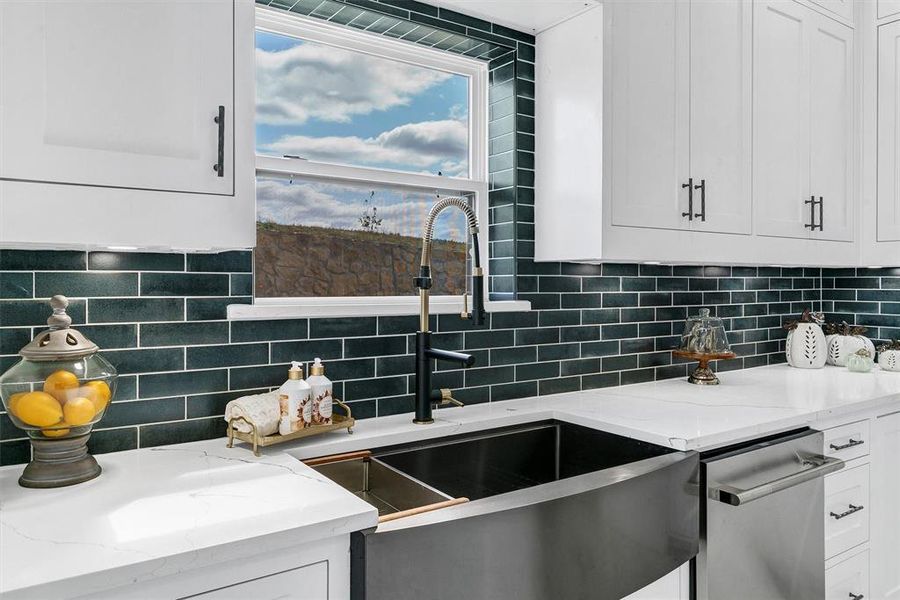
x=555 y=511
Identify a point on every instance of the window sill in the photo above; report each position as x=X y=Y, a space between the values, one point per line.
x=292 y=308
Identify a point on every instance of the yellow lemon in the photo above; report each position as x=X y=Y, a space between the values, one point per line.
x=78 y=411
x=97 y=392
x=59 y=383
x=13 y=401
x=39 y=409
x=55 y=433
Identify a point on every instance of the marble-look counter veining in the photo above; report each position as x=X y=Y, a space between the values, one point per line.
x=161 y=511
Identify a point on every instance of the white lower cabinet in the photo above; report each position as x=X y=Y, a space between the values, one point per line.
x=316 y=570
x=848 y=579
x=847 y=509
x=303 y=583
x=885 y=461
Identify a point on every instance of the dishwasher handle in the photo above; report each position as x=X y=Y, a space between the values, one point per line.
x=822 y=465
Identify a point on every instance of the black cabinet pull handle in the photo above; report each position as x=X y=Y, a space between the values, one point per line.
x=850 y=443
x=812 y=213
x=702 y=188
x=219 y=167
x=853 y=509
x=856 y=596
x=690 y=188
x=821 y=211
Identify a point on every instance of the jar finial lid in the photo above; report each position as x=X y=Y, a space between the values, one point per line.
x=60 y=342
x=59 y=319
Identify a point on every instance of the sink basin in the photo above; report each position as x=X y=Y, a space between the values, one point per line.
x=506 y=460
x=557 y=511
x=380 y=485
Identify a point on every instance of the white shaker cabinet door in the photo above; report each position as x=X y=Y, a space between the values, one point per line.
x=885 y=535
x=117 y=94
x=649 y=82
x=781 y=155
x=831 y=127
x=888 y=194
x=721 y=104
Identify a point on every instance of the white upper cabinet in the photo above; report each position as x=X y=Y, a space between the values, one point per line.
x=129 y=123
x=117 y=93
x=649 y=77
x=888 y=204
x=720 y=123
x=831 y=130
x=680 y=105
x=803 y=124
x=842 y=9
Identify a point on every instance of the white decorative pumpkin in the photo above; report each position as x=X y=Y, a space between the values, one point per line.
x=841 y=346
x=889 y=360
x=806 y=347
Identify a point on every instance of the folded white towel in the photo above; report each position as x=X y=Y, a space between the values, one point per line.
x=263 y=409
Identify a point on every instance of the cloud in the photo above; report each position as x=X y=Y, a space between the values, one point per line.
x=313 y=81
x=328 y=205
x=427 y=145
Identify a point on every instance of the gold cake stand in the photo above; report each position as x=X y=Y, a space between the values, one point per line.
x=703 y=375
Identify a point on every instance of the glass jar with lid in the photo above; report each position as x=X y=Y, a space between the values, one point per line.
x=56 y=394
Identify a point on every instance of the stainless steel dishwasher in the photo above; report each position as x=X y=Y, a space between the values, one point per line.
x=762 y=533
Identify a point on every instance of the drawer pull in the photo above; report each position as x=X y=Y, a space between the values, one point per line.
x=856 y=596
x=851 y=443
x=853 y=508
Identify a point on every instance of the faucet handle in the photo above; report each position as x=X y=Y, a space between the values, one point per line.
x=446 y=398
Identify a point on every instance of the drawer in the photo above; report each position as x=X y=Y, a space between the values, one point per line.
x=848 y=579
x=303 y=583
x=848 y=441
x=846 y=509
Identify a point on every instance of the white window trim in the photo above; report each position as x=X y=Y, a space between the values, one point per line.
x=315 y=30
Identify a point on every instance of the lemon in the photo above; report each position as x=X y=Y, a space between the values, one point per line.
x=59 y=384
x=39 y=409
x=13 y=401
x=78 y=411
x=97 y=392
x=55 y=433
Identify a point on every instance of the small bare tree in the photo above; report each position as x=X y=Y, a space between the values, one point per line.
x=369 y=221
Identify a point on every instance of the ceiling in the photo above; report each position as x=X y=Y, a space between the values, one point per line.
x=531 y=16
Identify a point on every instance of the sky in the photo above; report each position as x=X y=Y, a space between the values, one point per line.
x=333 y=105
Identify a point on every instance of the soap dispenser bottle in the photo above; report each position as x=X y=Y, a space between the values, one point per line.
x=294 y=399
x=321 y=390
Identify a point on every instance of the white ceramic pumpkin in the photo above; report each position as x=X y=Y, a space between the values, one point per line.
x=889 y=360
x=806 y=347
x=842 y=346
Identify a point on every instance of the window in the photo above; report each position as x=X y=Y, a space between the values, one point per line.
x=356 y=137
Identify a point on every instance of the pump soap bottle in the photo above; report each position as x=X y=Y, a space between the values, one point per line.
x=321 y=390
x=294 y=399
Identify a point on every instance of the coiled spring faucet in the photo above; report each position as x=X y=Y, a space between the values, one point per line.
x=425 y=395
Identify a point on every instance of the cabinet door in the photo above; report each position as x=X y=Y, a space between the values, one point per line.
x=649 y=82
x=888 y=8
x=781 y=118
x=304 y=583
x=120 y=94
x=885 y=557
x=831 y=126
x=888 y=202
x=721 y=48
x=848 y=579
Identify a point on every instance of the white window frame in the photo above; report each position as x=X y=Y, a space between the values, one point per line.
x=315 y=30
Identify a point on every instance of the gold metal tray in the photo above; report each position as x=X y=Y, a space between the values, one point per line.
x=338 y=421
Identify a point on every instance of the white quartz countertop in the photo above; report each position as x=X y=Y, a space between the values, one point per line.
x=159 y=511
x=747 y=404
